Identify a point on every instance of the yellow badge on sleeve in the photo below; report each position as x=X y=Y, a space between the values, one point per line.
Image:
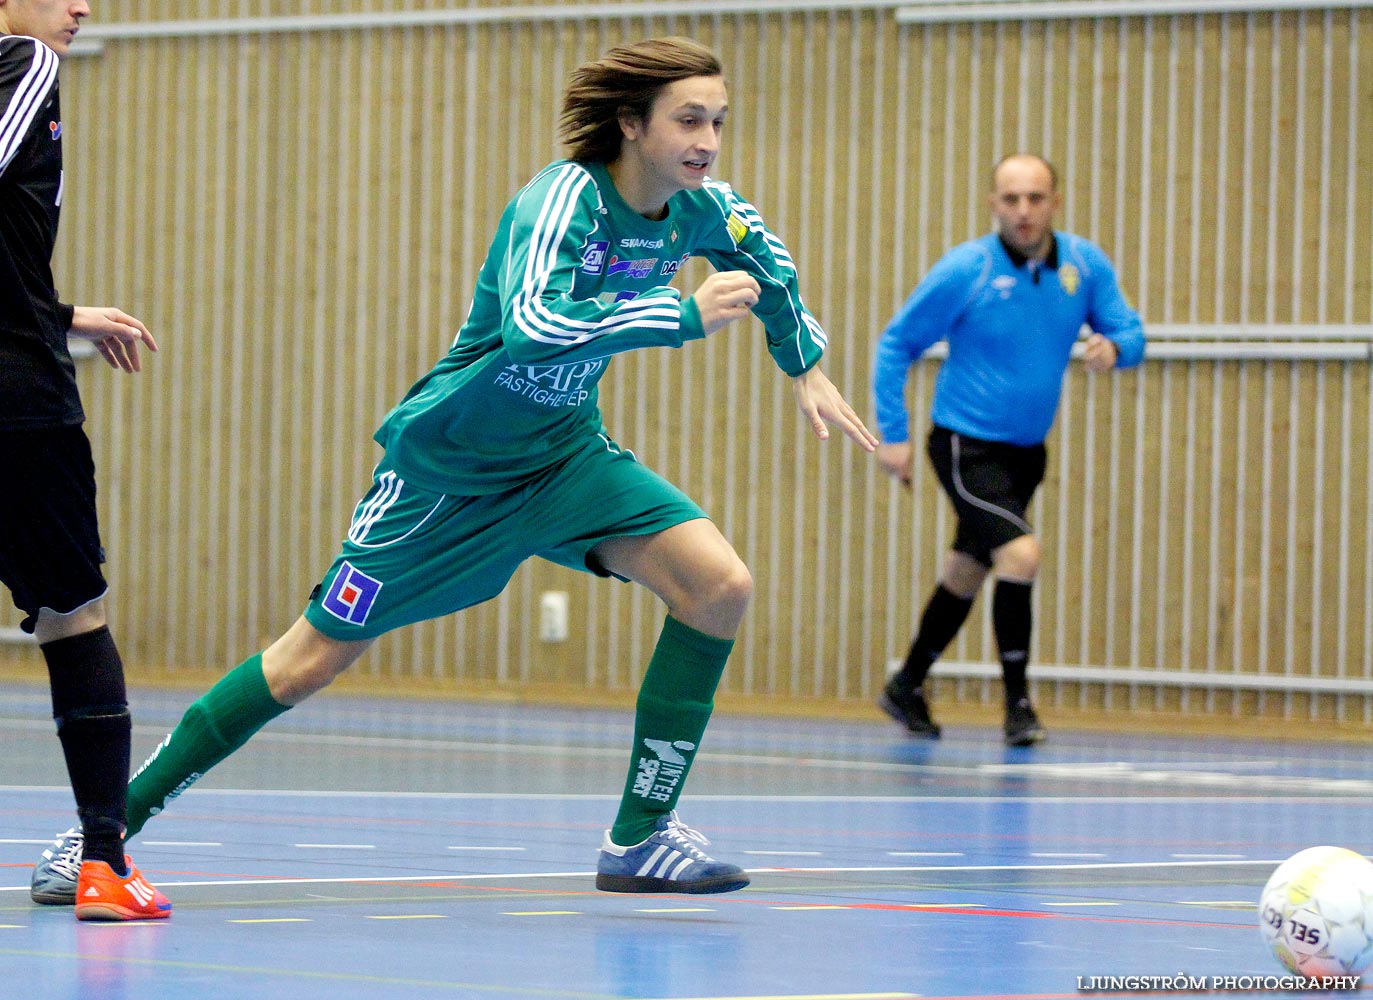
x=1069 y=278
x=736 y=227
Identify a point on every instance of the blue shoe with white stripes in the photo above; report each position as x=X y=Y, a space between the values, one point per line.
x=669 y=861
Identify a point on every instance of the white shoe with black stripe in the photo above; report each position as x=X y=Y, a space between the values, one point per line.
x=671 y=860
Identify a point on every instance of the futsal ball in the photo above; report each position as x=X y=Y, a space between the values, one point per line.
x=1316 y=912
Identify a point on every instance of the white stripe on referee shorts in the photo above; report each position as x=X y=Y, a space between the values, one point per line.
x=373 y=511
x=982 y=504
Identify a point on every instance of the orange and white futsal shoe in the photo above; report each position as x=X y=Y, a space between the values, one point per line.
x=103 y=895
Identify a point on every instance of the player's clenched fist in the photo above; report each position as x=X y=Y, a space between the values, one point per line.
x=724 y=297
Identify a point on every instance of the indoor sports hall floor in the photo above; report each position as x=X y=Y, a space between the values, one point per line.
x=370 y=848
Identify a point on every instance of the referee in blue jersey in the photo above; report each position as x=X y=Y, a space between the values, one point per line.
x=1011 y=306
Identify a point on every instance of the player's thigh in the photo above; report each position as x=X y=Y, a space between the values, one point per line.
x=411 y=555
x=683 y=564
x=50 y=551
x=607 y=496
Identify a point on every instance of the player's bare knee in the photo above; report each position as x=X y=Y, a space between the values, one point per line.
x=51 y=626
x=962 y=575
x=1018 y=559
x=736 y=587
x=719 y=603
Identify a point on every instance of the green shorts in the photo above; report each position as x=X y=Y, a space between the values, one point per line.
x=411 y=555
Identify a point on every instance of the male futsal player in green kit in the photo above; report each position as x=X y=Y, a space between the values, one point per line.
x=499 y=453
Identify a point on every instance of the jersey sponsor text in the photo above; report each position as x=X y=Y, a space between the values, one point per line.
x=552 y=385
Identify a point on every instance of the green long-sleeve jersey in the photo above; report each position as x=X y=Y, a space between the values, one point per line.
x=574 y=276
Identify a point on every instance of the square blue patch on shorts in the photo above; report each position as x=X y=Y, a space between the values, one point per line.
x=351 y=595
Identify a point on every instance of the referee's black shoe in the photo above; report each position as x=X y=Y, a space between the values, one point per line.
x=1022 y=726
x=908 y=708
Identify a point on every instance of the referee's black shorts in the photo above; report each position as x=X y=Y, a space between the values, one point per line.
x=990 y=484
x=50 y=552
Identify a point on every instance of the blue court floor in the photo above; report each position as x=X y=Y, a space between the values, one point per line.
x=371 y=848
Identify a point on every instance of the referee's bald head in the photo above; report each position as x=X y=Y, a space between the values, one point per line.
x=1022 y=158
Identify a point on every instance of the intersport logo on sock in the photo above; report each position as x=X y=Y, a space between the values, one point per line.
x=658 y=776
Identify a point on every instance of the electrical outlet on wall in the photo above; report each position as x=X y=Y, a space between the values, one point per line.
x=553 y=616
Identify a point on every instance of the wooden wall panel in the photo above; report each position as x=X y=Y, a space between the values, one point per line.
x=300 y=216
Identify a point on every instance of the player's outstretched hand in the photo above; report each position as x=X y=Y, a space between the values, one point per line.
x=724 y=297
x=115 y=334
x=821 y=403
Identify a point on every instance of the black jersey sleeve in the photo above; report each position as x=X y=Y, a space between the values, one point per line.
x=28 y=73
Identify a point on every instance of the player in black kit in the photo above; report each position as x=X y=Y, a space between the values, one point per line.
x=50 y=551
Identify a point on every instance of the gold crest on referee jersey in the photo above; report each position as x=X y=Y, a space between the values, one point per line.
x=1069 y=278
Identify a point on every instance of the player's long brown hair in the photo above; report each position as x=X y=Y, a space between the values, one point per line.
x=624 y=83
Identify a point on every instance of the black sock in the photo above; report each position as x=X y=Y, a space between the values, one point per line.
x=1011 y=624
x=91 y=710
x=944 y=616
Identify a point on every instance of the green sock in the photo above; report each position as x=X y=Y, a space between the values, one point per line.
x=216 y=725
x=675 y=702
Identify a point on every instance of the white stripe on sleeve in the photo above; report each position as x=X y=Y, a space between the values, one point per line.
x=17 y=117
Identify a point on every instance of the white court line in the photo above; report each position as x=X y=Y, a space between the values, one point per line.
x=1153 y=802
x=339 y=881
x=408 y=916
x=340 y=847
x=945 y=906
x=464 y=847
x=811 y=906
x=1084 y=854
x=924 y=854
x=446 y=877
x=1099 y=866
x=787 y=854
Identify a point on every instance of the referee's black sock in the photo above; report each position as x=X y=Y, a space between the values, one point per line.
x=1011 y=624
x=944 y=616
x=91 y=710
